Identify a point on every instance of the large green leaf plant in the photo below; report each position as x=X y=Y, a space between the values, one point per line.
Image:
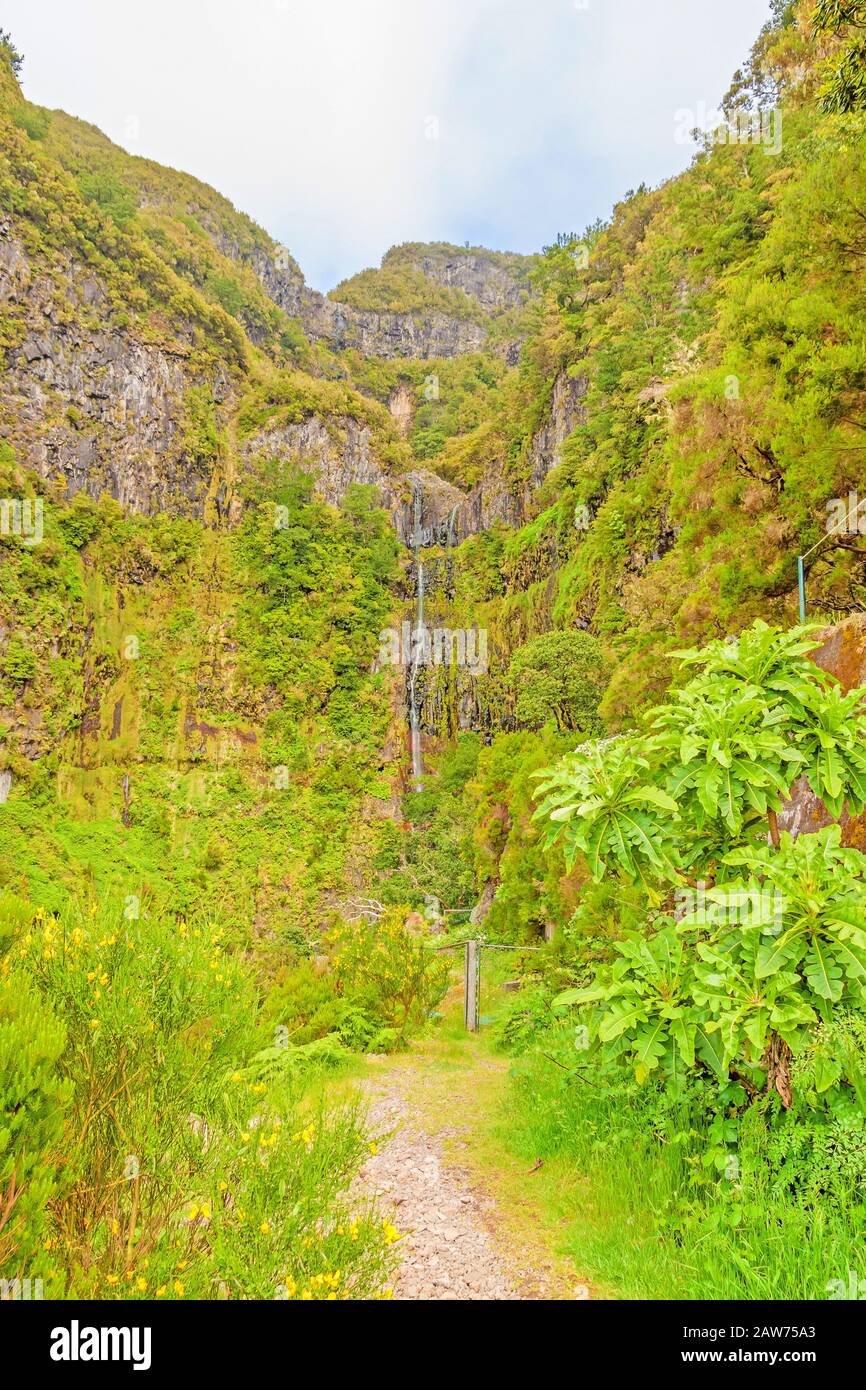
x=761 y=934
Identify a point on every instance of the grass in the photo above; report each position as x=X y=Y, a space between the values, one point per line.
x=647 y=1221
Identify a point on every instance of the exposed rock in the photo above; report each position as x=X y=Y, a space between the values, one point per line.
x=337 y=453
x=401 y=404
x=566 y=411
x=86 y=402
x=843 y=654
x=485 y=902
x=493 y=281
x=490 y=501
x=430 y=504
x=5 y=784
x=382 y=333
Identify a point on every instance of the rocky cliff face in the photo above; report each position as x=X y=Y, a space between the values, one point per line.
x=383 y=334
x=446 y=511
x=566 y=411
x=338 y=452
x=843 y=654
x=88 y=404
x=496 y=281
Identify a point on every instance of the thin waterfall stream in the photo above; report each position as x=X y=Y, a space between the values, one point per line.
x=417 y=652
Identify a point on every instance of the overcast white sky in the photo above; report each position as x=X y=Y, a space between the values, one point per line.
x=346 y=126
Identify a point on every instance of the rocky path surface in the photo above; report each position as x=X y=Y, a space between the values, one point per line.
x=452 y=1245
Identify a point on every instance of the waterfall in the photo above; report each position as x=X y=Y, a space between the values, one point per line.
x=418 y=648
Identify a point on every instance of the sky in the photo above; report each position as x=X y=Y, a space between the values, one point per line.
x=347 y=126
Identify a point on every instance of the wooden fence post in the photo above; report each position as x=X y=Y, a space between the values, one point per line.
x=471 y=985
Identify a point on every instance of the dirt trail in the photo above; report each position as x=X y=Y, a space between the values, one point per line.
x=466 y=1232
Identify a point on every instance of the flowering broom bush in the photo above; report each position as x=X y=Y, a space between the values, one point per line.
x=395 y=976
x=152 y=1164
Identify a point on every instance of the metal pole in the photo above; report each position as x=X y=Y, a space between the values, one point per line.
x=801 y=582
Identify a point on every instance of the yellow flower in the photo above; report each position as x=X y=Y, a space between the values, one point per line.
x=245 y=1138
x=160 y=1291
x=94 y=1023
x=115 y=1226
x=141 y=1284
x=111 y=1279
x=265 y=1228
x=178 y=1288
x=91 y=975
x=392 y=1235
x=192 y=1213
x=374 y=1147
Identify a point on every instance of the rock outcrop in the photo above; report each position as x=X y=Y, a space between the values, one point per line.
x=843 y=654
x=496 y=281
x=566 y=411
x=86 y=403
x=381 y=333
x=401 y=405
x=336 y=451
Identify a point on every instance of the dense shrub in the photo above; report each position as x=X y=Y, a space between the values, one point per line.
x=180 y=1167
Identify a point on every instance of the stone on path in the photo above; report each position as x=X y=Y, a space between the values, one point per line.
x=447 y=1250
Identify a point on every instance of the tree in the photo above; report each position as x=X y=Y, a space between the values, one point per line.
x=15 y=57
x=559 y=675
x=845 y=87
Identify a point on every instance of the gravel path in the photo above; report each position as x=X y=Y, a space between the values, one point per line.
x=448 y=1227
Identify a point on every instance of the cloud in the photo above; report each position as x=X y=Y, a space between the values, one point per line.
x=347 y=126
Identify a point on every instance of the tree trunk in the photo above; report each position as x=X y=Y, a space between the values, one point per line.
x=773 y=822
x=777 y=1060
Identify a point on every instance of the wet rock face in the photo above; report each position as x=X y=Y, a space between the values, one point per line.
x=85 y=402
x=431 y=505
x=843 y=654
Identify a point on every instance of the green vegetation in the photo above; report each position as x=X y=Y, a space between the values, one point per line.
x=215 y=885
x=845 y=87
x=165 y=1153
x=720 y=1037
